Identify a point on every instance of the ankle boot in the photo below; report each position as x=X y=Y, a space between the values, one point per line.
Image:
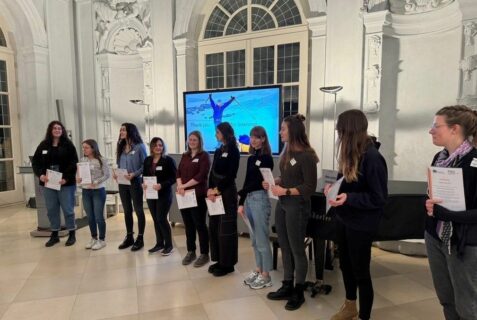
x=348 y=311
x=54 y=239
x=284 y=293
x=138 y=244
x=128 y=241
x=297 y=298
x=71 y=238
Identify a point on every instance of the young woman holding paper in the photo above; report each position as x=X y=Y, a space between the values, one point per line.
x=358 y=207
x=223 y=228
x=94 y=193
x=254 y=205
x=451 y=236
x=56 y=152
x=294 y=187
x=192 y=175
x=130 y=155
x=163 y=168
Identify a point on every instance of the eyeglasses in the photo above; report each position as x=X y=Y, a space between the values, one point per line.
x=437 y=126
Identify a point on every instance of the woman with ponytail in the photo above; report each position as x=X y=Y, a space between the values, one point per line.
x=451 y=236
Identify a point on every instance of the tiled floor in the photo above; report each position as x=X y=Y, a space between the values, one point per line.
x=74 y=283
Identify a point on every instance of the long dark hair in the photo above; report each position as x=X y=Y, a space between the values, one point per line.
x=297 y=139
x=94 y=146
x=229 y=136
x=259 y=132
x=153 y=143
x=463 y=116
x=49 y=136
x=133 y=136
x=201 y=143
x=353 y=140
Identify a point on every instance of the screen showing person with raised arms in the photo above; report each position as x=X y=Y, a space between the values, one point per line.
x=242 y=108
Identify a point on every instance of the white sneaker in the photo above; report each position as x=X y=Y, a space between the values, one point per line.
x=99 y=245
x=261 y=282
x=251 y=278
x=91 y=243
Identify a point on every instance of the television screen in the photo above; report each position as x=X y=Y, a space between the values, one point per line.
x=242 y=108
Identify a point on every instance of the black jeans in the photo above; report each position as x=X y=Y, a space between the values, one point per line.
x=195 y=220
x=355 y=256
x=159 y=211
x=131 y=196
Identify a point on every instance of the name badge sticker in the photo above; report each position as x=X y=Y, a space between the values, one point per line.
x=224 y=155
x=44 y=152
x=293 y=161
x=474 y=163
x=133 y=152
x=257 y=163
x=195 y=160
x=159 y=168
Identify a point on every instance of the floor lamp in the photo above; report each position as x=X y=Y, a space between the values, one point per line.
x=333 y=90
x=148 y=127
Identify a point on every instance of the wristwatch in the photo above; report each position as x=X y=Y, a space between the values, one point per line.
x=288 y=192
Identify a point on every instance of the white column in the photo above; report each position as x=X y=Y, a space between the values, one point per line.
x=147 y=69
x=468 y=64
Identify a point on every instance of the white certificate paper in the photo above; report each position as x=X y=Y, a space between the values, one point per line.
x=247 y=223
x=333 y=192
x=54 y=178
x=150 y=193
x=188 y=200
x=447 y=184
x=268 y=177
x=84 y=172
x=215 y=208
x=121 y=174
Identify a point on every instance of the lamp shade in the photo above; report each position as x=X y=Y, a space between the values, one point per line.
x=331 y=89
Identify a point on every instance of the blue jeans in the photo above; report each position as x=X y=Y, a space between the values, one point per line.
x=455 y=278
x=258 y=209
x=54 y=199
x=93 y=203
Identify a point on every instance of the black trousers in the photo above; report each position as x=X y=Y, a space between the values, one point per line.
x=159 y=211
x=131 y=196
x=223 y=231
x=355 y=257
x=195 y=221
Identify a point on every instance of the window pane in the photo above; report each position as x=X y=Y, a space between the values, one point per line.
x=236 y=68
x=4 y=110
x=3 y=40
x=5 y=143
x=7 y=178
x=238 y=24
x=232 y=5
x=216 y=24
x=287 y=13
x=265 y=3
x=263 y=65
x=261 y=20
x=288 y=63
x=214 y=70
x=290 y=100
x=3 y=76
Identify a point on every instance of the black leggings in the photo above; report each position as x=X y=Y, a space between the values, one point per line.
x=159 y=211
x=128 y=194
x=195 y=220
x=355 y=257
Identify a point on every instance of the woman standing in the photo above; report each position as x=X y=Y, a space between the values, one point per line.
x=94 y=194
x=57 y=152
x=130 y=155
x=359 y=207
x=255 y=205
x=163 y=167
x=223 y=228
x=192 y=175
x=296 y=184
x=451 y=236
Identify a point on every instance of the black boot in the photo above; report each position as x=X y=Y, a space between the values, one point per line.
x=284 y=293
x=138 y=244
x=297 y=298
x=128 y=241
x=54 y=239
x=71 y=238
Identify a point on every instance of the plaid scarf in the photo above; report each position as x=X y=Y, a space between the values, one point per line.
x=445 y=229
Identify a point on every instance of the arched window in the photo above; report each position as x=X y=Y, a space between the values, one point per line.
x=3 y=40
x=254 y=43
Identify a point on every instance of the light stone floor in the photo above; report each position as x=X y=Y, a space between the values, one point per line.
x=74 y=283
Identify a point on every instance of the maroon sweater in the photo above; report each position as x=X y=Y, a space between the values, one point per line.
x=196 y=168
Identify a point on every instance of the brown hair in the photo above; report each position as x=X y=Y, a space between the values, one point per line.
x=49 y=132
x=259 y=132
x=153 y=143
x=353 y=139
x=94 y=146
x=463 y=116
x=201 y=143
x=297 y=139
